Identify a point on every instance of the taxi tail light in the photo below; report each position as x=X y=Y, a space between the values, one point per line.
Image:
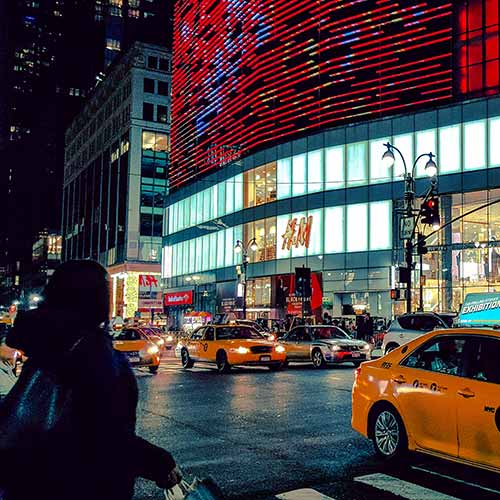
x=357 y=373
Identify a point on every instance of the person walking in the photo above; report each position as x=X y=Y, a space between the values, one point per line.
x=98 y=455
x=7 y=377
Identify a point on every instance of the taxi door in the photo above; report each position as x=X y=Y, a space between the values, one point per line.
x=479 y=404
x=291 y=344
x=208 y=347
x=425 y=385
x=298 y=344
x=194 y=344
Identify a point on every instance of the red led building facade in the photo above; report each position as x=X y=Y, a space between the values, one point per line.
x=252 y=73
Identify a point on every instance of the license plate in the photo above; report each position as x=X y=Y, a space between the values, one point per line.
x=356 y=355
x=134 y=359
x=265 y=358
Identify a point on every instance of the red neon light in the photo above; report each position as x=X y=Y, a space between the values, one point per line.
x=256 y=72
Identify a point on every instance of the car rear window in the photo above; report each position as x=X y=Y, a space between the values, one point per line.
x=237 y=332
x=128 y=335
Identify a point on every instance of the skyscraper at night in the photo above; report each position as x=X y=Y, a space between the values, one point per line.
x=52 y=54
x=281 y=110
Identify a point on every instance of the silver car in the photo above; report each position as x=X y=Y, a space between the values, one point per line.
x=324 y=344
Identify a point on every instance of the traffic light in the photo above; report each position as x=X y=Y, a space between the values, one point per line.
x=303 y=282
x=429 y=212
x=421 y=246
x=395 y=294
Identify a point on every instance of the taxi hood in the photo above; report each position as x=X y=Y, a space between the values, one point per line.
x=45 y=333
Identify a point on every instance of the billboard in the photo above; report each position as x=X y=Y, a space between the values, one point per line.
x=249 y=74
x=480 y=309
x=150 y=293
x=179 y=298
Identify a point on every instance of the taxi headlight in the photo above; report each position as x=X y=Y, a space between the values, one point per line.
x=280 y=348
x=153 y=349
x=161 y=341
x=242 y=350
x=170 y=338
x=272 y=336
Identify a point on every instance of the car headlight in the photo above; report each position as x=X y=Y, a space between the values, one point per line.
x=170 y=338
x=366 y=347
x=279 y=348
x=153 y=349
x=242 y=350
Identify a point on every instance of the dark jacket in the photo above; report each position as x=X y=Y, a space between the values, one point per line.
x=100 y=456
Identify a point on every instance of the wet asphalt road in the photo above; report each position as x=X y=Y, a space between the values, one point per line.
x=260 y=433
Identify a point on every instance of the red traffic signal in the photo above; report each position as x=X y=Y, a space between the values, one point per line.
x=429 y=212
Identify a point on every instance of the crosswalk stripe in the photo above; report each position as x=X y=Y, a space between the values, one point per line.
x=402 y=488
x=461 y=481
x=303 y=494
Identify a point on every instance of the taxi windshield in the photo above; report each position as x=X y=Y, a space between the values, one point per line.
x=326 y=333
x=237 y=332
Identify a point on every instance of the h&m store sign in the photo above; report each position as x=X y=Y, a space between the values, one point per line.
x=297 y=233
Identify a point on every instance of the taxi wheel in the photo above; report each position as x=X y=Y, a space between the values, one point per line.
x=318 y=359
x=222 y=364
x=389 y=434
x=186 y=361
x=153 y=369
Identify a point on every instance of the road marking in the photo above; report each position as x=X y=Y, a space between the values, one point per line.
x=461 y=481
x=402 y=488
x=303 y=494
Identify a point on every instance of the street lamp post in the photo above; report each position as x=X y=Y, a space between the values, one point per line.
x=409 y=198
x=240 y=247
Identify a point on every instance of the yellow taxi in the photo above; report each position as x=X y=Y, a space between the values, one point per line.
x=139 y=349
x=230 y=345
x=438 y=394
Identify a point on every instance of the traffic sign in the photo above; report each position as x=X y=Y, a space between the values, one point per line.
x=406 y=228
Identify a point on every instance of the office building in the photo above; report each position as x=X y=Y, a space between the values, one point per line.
x=115 y=177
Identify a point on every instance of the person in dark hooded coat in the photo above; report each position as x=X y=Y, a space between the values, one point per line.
x=101 y=456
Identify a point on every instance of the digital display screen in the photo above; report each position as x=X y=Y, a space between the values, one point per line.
x=249 y=74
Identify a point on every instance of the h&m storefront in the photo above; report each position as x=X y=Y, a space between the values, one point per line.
x=327 y=202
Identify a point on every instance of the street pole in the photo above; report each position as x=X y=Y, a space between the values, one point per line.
x=421 y=302
x=409 y=197
x=408 y=211
x=245 y=267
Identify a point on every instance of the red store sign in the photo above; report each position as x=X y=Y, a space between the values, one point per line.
x=179 y=298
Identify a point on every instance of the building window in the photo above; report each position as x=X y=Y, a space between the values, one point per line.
x=357 y=227
x=155 y=150
x=152 y=62
x=164 y=64
x=148 y=111
x=260 y=185
x=356 y=163
x=146 y=227
x=149 y=85
x=163 y=88
x=477 y=47
x=162 y=114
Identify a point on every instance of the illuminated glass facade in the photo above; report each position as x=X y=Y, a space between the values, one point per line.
x=337 y=177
